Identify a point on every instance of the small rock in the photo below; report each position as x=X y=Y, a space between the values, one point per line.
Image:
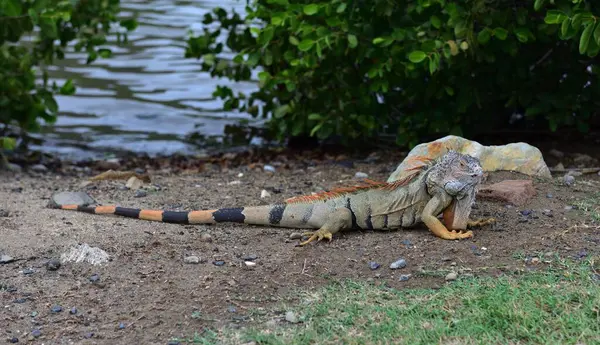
x=73 y=311
x=373 y=265
x=20 y=300
x=569 y=180
x=234 y=183
x=549 y=196
x=36 y=333
x=269 y=168
x=84 y=253
x=547 y=212
x=250 y=263
x=40 y=168
x=5 y=259
x=71 y=198
x=240 y=175
x=360 y=174
x=556 y=153
x=568 y=207
x=264 y=194
x=56 y=309
x=140 y=193
x=231 y=309
x=451 y=276
x=134 y=183
x=400 y=263
x=526 y=212
x=52 y=265
x=94 y=278
x=28 y=271
x=291 y=317
x=295 y=236
x=218 y=262
x=206 y=238
x=4 y=213
x=516 y=192
x=13 y=340
x=34 y=313
x=88 y=335
x=192 y=259
x=121 y=325
x=407 y=243
x=535 y=261
x=14 y=167
x=404 y=277
x=109 y=164
x=250 y=257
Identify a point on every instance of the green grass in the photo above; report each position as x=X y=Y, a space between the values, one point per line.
x=560 y=305
x=590 y=206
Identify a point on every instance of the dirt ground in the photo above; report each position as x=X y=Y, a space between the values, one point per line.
x=148 y=294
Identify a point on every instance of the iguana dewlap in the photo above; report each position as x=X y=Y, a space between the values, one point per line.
x=447 y=185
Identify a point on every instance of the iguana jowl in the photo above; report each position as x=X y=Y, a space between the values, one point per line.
x=445 y=186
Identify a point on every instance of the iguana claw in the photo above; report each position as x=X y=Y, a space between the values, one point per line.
x=318 y=235
x=461 y=234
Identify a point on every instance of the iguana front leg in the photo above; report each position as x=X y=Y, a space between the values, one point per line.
x=429 y=216
x=340 y=219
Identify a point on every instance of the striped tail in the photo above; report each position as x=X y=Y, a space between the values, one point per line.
x=257 y=215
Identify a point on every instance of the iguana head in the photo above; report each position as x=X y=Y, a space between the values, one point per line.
x=457 y=175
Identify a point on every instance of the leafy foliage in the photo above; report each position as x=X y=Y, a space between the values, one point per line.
x=33 y=33
x=404 y=70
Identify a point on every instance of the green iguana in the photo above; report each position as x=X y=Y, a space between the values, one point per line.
x=446 y=185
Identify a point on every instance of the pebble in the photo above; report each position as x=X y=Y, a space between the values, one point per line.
x=94 y=277
x=206 y=238
x=250 y=263
x=20 y=300
x=407 y=243
x=547 y=212
x=13 y=340
x=5 y=259
x=264 y=194
x=291 y=317
x=134 y=183
x=28 y=271
x=4 y=213
x=73 y=311
x=250 y=257
x=360 y=174
x=89 y=335
x=549 y=196
x=36 y=333
x=41 y=168
x=404 y=277
x=400 y=263
x=231 y=309
x=52 y=265
x=373 y=265
x=569 y=179
x=451 y=276
x=14 y=167
x=192 y=259
x=121 y=325
x=233 y=183
x=218 y=262
x=56 y=309
x=526 y=212
x=140 y=193
x=295 y=236
x=568 y=207
x=269 y=168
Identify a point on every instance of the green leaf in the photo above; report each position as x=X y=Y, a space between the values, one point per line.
x=314 y=116
x=553 y=17
x=11 y=8
x=449 y=90
x=48 y=27
x=311 y=9
x=262 y=76
x=129 y=24
x=293 y=40
x=500 y=33
x=68 y=88
x=432 y=65
x=378 y=40
x=584 y=41
x=352 y=41
x=484 y=36
x=576 y=21
x=276 y=20
x=281 y=111
x=8 y=143
x=105 y=53
x=564 y=28
x=316 y=128
x=522 y=34
x=597 y=34
x=417 y=56
x=341 y=8
x=306 y=44
x=436 y=22
x=538 y=4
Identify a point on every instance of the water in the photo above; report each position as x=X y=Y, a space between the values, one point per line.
x=147 y=97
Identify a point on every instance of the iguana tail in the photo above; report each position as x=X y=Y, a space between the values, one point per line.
x=257 y=215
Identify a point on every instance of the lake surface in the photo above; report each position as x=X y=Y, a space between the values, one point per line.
x=147 y=97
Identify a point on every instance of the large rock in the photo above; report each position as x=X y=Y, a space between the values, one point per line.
x=519 y=157
x=516 y=192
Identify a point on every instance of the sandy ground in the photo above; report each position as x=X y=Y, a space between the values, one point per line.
x=148 y=294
